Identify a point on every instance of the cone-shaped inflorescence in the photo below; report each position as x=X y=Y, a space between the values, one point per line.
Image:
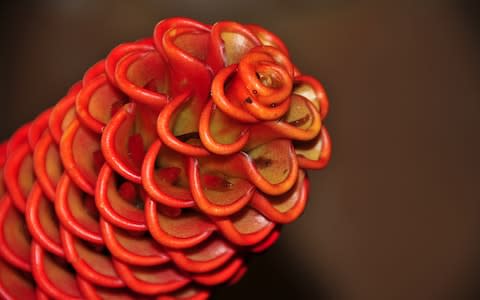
x=169 y=162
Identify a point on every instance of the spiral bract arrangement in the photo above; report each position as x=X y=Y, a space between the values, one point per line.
x=169 y=162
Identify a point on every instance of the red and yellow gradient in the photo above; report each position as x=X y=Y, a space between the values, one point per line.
x=162 y=169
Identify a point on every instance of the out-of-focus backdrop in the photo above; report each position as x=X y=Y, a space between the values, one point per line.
x=396 y=215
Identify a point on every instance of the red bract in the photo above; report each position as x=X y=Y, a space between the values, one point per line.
x=162 y=169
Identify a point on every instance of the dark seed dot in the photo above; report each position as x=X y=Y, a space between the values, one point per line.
x=188 y=136
x=248 y=100
x=139 y=203
x=263 y=162
x=300 y=122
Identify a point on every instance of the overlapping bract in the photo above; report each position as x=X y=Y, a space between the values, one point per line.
x=162 y=168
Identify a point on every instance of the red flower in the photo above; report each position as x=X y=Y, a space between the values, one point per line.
x=158 y=172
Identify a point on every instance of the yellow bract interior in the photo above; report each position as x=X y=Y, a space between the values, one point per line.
x=310 y=149
x=101 y=263
x=286 y=201
x=101 y=102
x=249 y=221
x=186 y=293
x=186 y=225
x=235 y=46
x=186 y=118
x=53 y=164
x=85 y=144
x=299 y=114
x=273 y=160
x=140 y=245
x=224 y=129
x=156 y=275
x=16 y=234
x=306 y=91
x=194 y=43
x=224 y=197
x=68 y=118
x=48 y=219
x=26 y=177
x=150 y=72
x=208 y=251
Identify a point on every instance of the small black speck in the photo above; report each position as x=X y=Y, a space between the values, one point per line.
x=139 y=204
x=263 y=162
x=248 y=100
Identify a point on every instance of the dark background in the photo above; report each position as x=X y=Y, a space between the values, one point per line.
x=396 y=215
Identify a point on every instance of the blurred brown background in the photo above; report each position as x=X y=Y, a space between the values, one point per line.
x=396 y=215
